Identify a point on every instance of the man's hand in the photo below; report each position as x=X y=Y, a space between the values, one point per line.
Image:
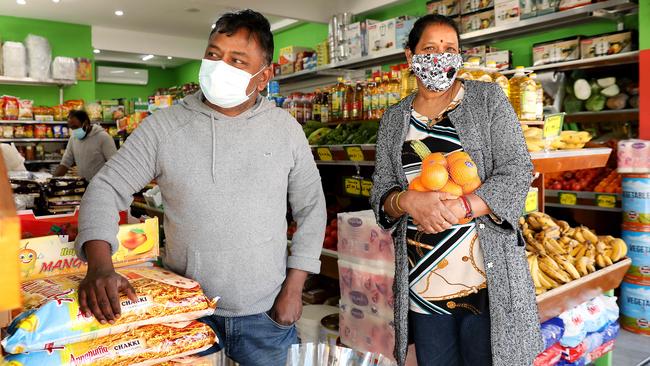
x=99 y=292
x=288 y=305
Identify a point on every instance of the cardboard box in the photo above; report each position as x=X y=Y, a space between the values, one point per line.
x=606 y=44
x=287 y=69
x=478 y=52
x=471 y=6
x=556 y=51
x=403 y=27
x=450 y=8
x=356 y=38
x=570 y=4
x=506 y=12
x=477 y=21
x=288 y=55
x=381 y=37
x=503 y=59
x=323 y=53
x=544 y=7
x=527 y=9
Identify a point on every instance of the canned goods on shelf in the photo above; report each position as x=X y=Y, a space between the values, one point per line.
x=635 y=308
x=636 y=201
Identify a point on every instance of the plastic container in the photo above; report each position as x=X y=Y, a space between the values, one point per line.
x=636 y=201
x=633 y=156
x=638 y=250
x=465 y=72
x=309 y=324
x=478 y=73
x=635 y=308
x=523 y=95
x=14 y=58
x=499 y=78
x=329 y=330
x=539 y=115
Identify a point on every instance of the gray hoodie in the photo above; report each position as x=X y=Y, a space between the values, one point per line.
x=91 y=153
x=225 y=183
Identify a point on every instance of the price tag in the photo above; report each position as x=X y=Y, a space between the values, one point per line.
x=553 y=125
x=355 y=153
x=606 y=200
x=569 y=199
x=324 y=154
x=366 y=186
x=352 y=186
x=532 y=203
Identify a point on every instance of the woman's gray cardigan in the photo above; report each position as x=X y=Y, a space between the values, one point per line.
x=491 y=134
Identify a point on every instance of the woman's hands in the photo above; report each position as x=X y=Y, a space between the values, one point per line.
x=433 y=212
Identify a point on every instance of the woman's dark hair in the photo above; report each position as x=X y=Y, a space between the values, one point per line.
x=427 y=20
x=82 y=116
x=254 y=22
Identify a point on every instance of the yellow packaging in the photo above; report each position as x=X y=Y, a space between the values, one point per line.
x=9 y=271
x=47 y=256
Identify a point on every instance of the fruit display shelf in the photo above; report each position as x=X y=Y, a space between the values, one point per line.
x=583 y=200
x=621 y=115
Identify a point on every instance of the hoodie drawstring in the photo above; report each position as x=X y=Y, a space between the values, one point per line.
x=214 y=150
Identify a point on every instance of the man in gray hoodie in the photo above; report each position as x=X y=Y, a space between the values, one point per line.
x=226 y=160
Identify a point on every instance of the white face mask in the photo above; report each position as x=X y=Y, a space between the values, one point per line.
x=224 y=85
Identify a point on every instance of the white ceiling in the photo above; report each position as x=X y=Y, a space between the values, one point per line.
x=136 y=58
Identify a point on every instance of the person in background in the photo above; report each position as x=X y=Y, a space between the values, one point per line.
x=89 y=147
x=12 y=158
x=463 y=289
x=226 y=159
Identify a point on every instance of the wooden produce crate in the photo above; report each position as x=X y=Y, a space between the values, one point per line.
x=574 y=293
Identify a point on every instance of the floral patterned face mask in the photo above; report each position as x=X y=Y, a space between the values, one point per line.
x=437 y=71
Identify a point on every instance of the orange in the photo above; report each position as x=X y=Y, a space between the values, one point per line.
x=471 y=186
x=416 y=185
x=464 y=221
x=436 y=158
x=463 y=171
x=434 y=176
x=456 y=156
x=452 y=188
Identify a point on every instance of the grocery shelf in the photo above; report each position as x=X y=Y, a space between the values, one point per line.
x=146 y=207
x=42 y=161
x=24 y=122
x=589 y=63
x=583 y=207
x=580 y=194
x=532 y=123
x=7 y=80
x=33 y=140
x=621 y=115
x=578 y=15
x=563 y=160
x=584 y=200
x=346 y=162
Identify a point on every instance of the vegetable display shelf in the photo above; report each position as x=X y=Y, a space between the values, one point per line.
x=622 y=115
x=625 y=58
x=595 y=201
x=563 y=160
x=33 y=140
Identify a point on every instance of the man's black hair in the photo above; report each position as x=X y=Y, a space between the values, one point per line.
x=82 y=116
x=427 y=20
x=254 y=22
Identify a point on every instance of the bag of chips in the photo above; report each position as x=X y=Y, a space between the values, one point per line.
x=51 y=317
x=148 y=345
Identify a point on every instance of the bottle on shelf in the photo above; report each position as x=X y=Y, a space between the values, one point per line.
x=539 y=115
x=337 y=96
x=307 y=108
x=523 y=95
x=357 y=107
x=367 y=100
x=465 y=73
x=499 y=78
x=404 y=87
x=325 y=108
x=286 y=104
x=377 y=109
x=299 y=108
x=316 y=106
x=394 y=94
x=348 y=100
x=385 y=91
x=477 y=72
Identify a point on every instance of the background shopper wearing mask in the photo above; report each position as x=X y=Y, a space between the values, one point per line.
x=463 y=290
x=226 y=159
x=89 y=147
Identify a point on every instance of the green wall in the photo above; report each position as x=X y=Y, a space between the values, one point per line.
x=644 y=24
x=187 y=73
x=158 y=78
x=303 y=35
x=71 y=40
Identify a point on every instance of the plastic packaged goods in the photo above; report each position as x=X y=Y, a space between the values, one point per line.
x=64 y=68
x=348 y=100
x=394 y=88
x=11 y=108
x=25 y=109
x=552 y=331
x=539 y=114
x=499 y=78
x=39 y=57
x=523 y=95
x=147 y=345
x=550 y=356
x=51 y=316
x=14 y=58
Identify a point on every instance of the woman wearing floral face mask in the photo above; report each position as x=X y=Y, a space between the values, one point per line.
x=451 y=178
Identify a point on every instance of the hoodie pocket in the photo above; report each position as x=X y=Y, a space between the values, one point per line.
x=193 y=264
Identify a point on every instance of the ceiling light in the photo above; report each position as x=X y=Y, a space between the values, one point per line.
x=137 y=72
x=169 y=57
x=147 y=57
x=119 y=13
x=56 y=1
x=21 y=2
x=214 y=26
x=117 y=72
x=96 y=51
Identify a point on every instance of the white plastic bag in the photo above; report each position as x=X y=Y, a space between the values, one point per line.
x=14 y=56
x=64 y=68
x=311 y=354
x=39 y=57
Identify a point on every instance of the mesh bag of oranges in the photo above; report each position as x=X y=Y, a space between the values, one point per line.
x=454 y=173
x=147 y=345
x=51 y=317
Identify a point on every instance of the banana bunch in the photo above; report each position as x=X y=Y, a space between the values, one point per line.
x=574 y=139
x=566 y=140
x=558 y=254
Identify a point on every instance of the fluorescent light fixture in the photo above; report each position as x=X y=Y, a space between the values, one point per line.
x=147 y=57
x=56 y=1
x=21 y=2
x=137 y=72
x=169 y=57
x=117 y=71
x=119 y=13
x=96 y=51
